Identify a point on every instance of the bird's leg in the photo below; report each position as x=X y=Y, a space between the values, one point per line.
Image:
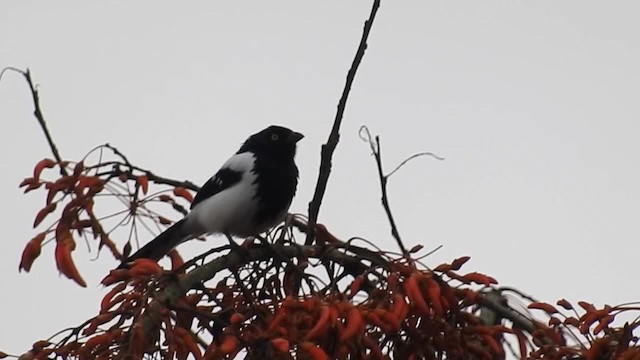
x=234 y=245
x=241 y=250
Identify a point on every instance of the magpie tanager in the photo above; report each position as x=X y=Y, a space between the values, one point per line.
x=250 y=194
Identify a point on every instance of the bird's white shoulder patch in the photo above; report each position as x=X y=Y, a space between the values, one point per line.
x=241 y=162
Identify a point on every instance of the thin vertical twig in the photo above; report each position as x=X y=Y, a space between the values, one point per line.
x=327 y=150
x=385 y=199
x=377 y=154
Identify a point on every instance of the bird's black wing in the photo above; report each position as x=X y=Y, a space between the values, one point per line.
x=223 y=179
x=173 y=236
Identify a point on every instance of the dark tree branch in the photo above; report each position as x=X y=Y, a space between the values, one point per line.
x=237 y=258
x=327 y=150
x=152 y=177
x=37 y=112
x=335 y=253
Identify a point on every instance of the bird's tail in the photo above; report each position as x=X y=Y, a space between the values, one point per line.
x=161 y=245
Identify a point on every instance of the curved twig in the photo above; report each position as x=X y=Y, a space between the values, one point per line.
x=413 y=157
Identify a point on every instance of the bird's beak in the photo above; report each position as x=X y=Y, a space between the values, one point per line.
x=295 y=137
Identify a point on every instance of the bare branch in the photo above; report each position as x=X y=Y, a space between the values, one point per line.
x=375 y=148
x=365 y=135
x=153 y=177
x=37 y=112
x=327 y=149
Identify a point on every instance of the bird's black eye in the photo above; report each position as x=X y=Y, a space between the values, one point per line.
x=274 y=137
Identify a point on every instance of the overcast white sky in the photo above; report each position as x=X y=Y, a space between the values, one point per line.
x=534 y=104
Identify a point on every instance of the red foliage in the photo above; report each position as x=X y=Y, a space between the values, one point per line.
x=372 y=306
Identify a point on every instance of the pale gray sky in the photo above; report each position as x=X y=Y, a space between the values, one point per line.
x=533 y=104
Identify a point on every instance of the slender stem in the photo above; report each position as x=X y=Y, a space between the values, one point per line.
x=327 y=150
x=37 y=112
x=385 y=198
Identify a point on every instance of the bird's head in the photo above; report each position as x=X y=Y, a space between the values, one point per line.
x=274 y=140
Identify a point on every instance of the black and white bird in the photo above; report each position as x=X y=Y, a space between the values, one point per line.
x=250 y=194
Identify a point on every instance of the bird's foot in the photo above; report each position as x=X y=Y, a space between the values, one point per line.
x=240 y=249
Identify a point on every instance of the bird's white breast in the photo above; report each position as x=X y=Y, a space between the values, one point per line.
x=232 y=209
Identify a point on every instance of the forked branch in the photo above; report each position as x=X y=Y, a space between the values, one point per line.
x=365 y=135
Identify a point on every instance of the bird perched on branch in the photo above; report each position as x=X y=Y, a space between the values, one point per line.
x=250 y=194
